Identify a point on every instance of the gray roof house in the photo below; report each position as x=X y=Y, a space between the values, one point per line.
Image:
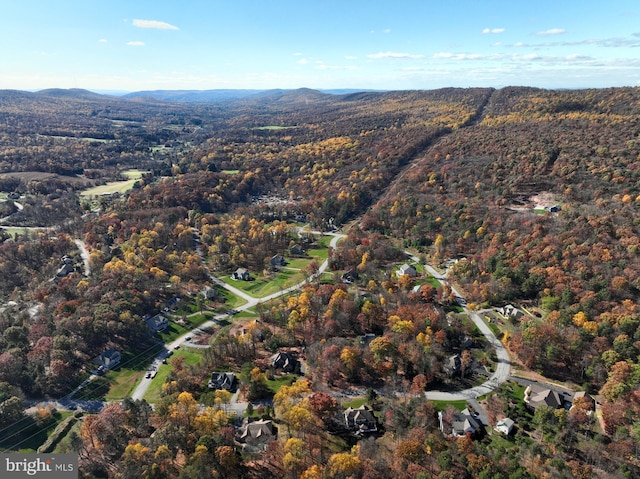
x=536 y=396
x=222 y=381
x=241 y=274
x=254 y=436
x=109 y=359
x=505 y=426
x=407 y=269
x=360 y=420
x=463 y=423
x=157 y=323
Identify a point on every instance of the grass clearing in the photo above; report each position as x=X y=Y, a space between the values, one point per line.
x=191 y=356
x=354 y=403
x=262 y=286
x=273 y=127
x=28 y=435
x=457 y=405
x=175 y=330
x=276 y=383
x=114 y=186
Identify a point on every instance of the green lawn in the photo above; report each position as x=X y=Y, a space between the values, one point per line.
x=27 y=435
x=123 y=379
x=123 y=383
x=276 y=383
x=114 y=186
x=442 y=405
x=191 y=356
x=354 y=403
x=231 y=301
x=262 y=286
x=175 y=330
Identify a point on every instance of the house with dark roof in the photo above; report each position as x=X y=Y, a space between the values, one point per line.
x=350 y=276
x=109 y=359
x=360 y=420
x=226 y=381
x=157 y=323
x=285 y=362
x=241 y=274
x=277 y=260
x=452 y=364
x=536 y=396
x=255 y=435
x=296 y=250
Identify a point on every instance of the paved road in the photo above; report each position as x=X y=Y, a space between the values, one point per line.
x=503 y=369
x=84 y=253
x=144 y=383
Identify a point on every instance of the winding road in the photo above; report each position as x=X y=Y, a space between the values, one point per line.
x=503 y=369
x=251 y=302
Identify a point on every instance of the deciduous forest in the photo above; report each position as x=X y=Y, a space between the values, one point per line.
x=523 y=198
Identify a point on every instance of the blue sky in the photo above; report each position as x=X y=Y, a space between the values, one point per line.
x=205 y=44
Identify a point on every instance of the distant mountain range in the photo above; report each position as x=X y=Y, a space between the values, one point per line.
x=206 y=96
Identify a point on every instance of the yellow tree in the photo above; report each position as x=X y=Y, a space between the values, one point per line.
x=342 y=465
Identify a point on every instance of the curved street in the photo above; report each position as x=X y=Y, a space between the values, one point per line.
x=503 y=368
x=144 y=383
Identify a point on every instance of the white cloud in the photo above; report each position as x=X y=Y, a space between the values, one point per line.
x=303 y=61
x=552 y=31
x=297 y=54
x=350 y=57
x=386 y=30
x=492 y=30
x=393 y=55
x=135 y=44
x=102 y=40
x=154 y=24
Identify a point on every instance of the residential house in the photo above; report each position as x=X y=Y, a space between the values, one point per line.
x=64 y=270
x=452 y=365
x=255 y=435
x=407 y=269
x=505 y=426
x=225 y=381
x=285 y=362
x=209 y=293
x=350 y=276
x=587 y=403
x=360 y=420
x=109 y=359
x=536 y=396
x=510 y=312
x=277 y=260
x=460 y=424
x=157 y=323
x=241 y=274
x=296 y=250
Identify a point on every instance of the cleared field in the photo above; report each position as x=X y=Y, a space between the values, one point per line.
x=114 y=186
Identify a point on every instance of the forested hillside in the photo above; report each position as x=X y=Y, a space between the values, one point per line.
x=521 y=196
